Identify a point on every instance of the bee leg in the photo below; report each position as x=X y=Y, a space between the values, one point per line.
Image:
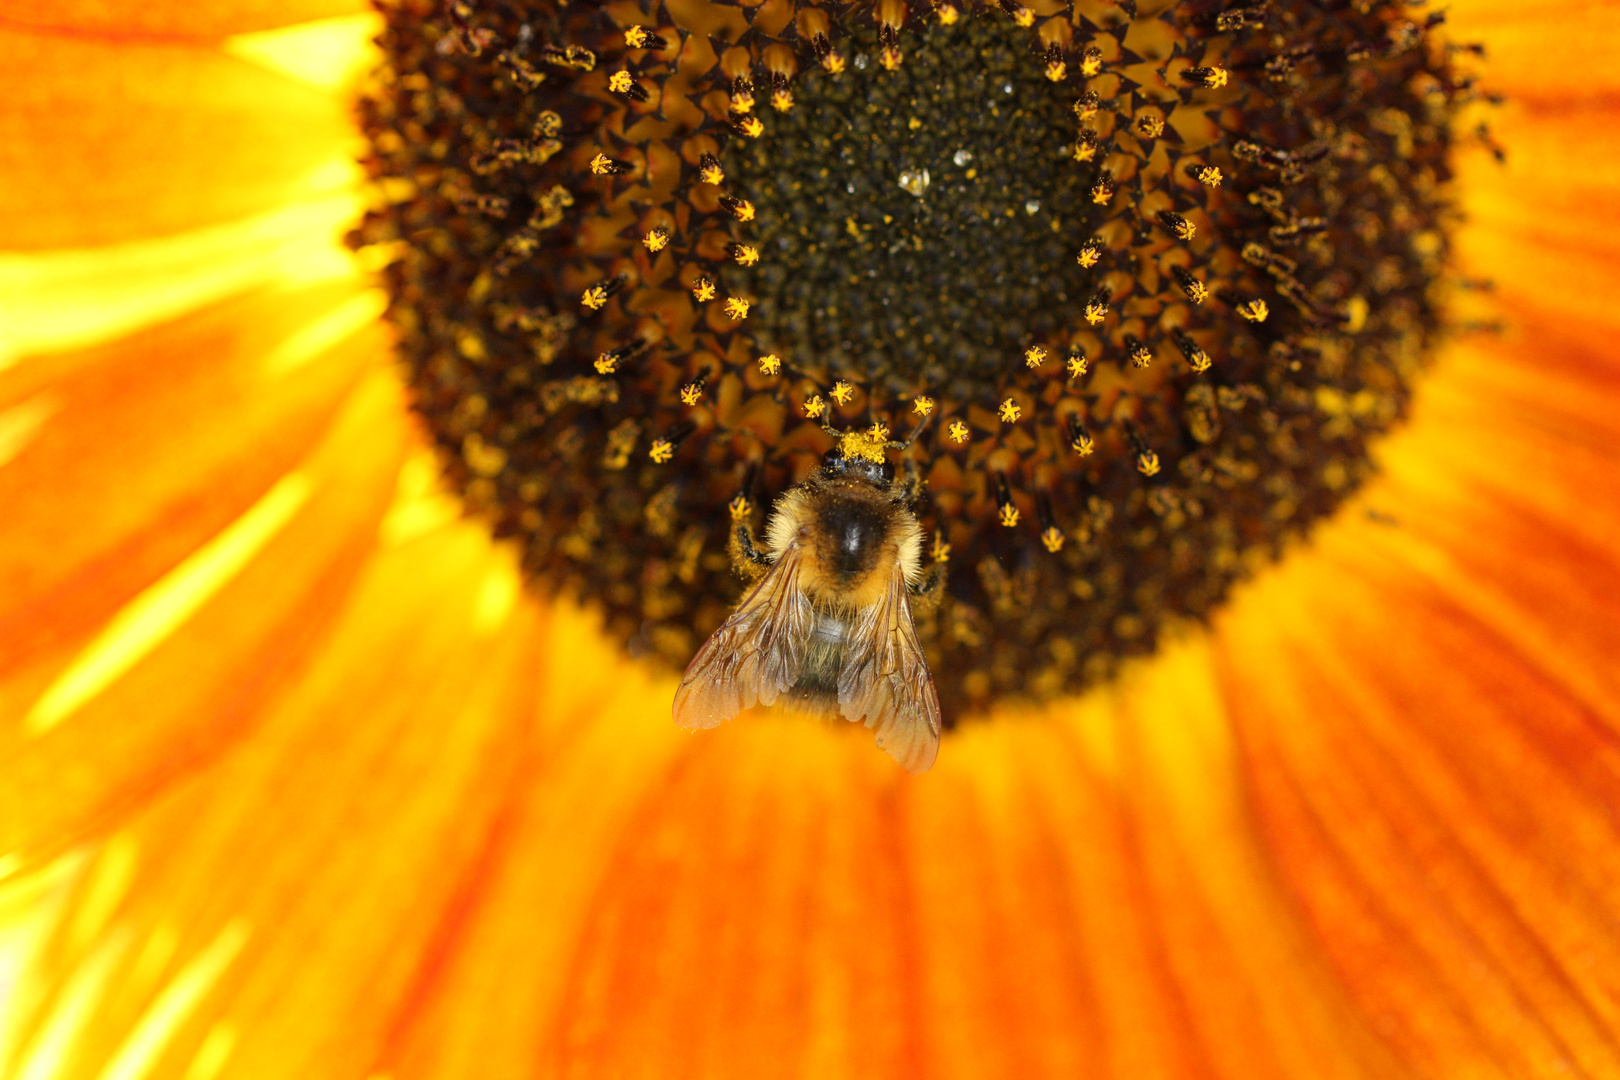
x=746 y=558
x=910 y=484
x=927 y=593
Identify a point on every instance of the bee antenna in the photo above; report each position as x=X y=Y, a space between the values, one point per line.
x=916 y=431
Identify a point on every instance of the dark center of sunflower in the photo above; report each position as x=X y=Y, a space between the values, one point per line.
x=1143 y=285
x=918 y=226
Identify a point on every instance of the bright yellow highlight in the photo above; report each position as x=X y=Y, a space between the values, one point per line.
x=497 y=596
x=143 y=623
x=1009 y=411
x=182 y=996
x=420 y=503
x=330 y=54
x=336 y=326
x=842 y=392
x=78 y=297
x=20 y=423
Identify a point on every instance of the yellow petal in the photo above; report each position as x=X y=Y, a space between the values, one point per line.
x=104 y=141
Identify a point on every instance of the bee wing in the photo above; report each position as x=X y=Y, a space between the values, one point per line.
x=755 y=655
x=885 y=679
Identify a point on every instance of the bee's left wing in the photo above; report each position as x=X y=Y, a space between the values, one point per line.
x=885 y=679
x=756 y=654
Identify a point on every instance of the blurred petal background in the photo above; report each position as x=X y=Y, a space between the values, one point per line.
x=296 y=781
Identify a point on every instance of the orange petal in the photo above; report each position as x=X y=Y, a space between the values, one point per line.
x=190 y=19
x=272 y=938
x=153 y=445
x=131 y=713
x=1428 y=704
x=1543 y=54
x=104 y=141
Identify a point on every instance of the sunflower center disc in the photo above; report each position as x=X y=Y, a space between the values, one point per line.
x=1146 y=280
x=917 y=225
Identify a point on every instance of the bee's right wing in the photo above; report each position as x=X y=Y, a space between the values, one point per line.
x=885 y=679
x=755 y=656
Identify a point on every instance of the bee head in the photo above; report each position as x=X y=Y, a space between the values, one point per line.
x=860 y=454
x=836 y=463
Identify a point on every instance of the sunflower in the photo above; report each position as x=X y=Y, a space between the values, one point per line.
x=299 y=780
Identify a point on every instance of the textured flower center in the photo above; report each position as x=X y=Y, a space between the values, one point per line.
x=918 y=226
x=1141 y=284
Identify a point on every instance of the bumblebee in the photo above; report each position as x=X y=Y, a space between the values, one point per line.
x=827 y=627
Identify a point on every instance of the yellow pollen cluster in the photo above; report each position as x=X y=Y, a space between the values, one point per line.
x=958 y=431
x=1208 y=175
x=656 y=240
x=619 y=82
x=1083 y=444
x=1148 y=462
x=1076 y=365
x=692 y=393
x=1089 y=255
x=842 y=392
x=1008 y=515
x=752 y=126
x=890 y=58
x=770 y=364
x=782 y=100
x=740 y=507
x=703 y=290
x=814 y=406
x=1254 y=310
x=1057 y=71
x=922 y=405
x=1096 y=311
x=1009 y=411
x=1034 y=356
x=1091 y=62
x=602 y=165
x=745 y=254
x=710 y=172
x=737 y=307
x=607 y=364
x=594 y=297
x=1052 y=537
x=661 y=451
x=948 y=14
